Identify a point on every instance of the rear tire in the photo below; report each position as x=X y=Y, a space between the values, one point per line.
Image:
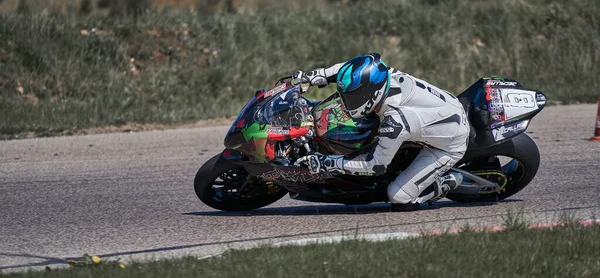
x=525 y=151
x=256 y=191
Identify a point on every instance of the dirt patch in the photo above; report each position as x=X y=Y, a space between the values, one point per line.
x=147 y=127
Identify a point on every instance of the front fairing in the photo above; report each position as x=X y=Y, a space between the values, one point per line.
x=270 y=116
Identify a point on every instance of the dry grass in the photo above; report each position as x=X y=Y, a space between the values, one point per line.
x=567 y=251
x=65 y=73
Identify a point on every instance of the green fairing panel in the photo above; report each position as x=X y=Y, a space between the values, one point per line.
x=254 y=141
x=256 y=131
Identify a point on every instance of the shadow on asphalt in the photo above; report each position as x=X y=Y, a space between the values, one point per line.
x=337 y=209
x=45 y=260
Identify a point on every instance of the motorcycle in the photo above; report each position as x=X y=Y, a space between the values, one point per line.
x=278 y=126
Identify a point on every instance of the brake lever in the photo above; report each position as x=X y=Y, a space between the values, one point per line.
x=281 y=80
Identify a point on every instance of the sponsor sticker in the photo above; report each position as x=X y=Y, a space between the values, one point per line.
x=276 y=90
x=495 y=105
x=386 y=130
x=504 y=132
x=501 y=83
x=295 y=175
x=436 y=93
x=277 y=130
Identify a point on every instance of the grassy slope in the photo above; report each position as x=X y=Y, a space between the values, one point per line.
x=570 y=251
x=187 y=67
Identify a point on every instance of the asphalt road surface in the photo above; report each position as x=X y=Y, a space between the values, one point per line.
x=130 y=196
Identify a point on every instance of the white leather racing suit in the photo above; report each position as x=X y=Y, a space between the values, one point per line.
x=415 y=111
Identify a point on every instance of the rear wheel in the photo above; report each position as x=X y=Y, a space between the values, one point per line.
x=226 y=186
x=512 y=165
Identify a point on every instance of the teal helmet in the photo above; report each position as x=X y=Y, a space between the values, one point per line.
x=363 y=83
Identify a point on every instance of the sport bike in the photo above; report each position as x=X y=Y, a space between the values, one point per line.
x=276 y=127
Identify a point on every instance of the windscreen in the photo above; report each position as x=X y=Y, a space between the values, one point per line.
x=286 y=109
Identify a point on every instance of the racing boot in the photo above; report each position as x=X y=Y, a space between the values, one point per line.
x=436 y=191
x=445 y=184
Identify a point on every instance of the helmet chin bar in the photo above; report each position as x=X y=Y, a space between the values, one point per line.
x=370 y=106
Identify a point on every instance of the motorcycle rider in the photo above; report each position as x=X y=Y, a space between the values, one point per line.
x=409 y=109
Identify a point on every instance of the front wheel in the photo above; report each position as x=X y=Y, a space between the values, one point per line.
x=513 y=164
x=226 y=186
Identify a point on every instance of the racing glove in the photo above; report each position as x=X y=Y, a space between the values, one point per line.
x=315 y=78
x=318 y=162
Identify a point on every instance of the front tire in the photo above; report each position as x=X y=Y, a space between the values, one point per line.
x=225 y=186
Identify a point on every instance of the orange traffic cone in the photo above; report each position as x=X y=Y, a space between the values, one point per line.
x=597 y=134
